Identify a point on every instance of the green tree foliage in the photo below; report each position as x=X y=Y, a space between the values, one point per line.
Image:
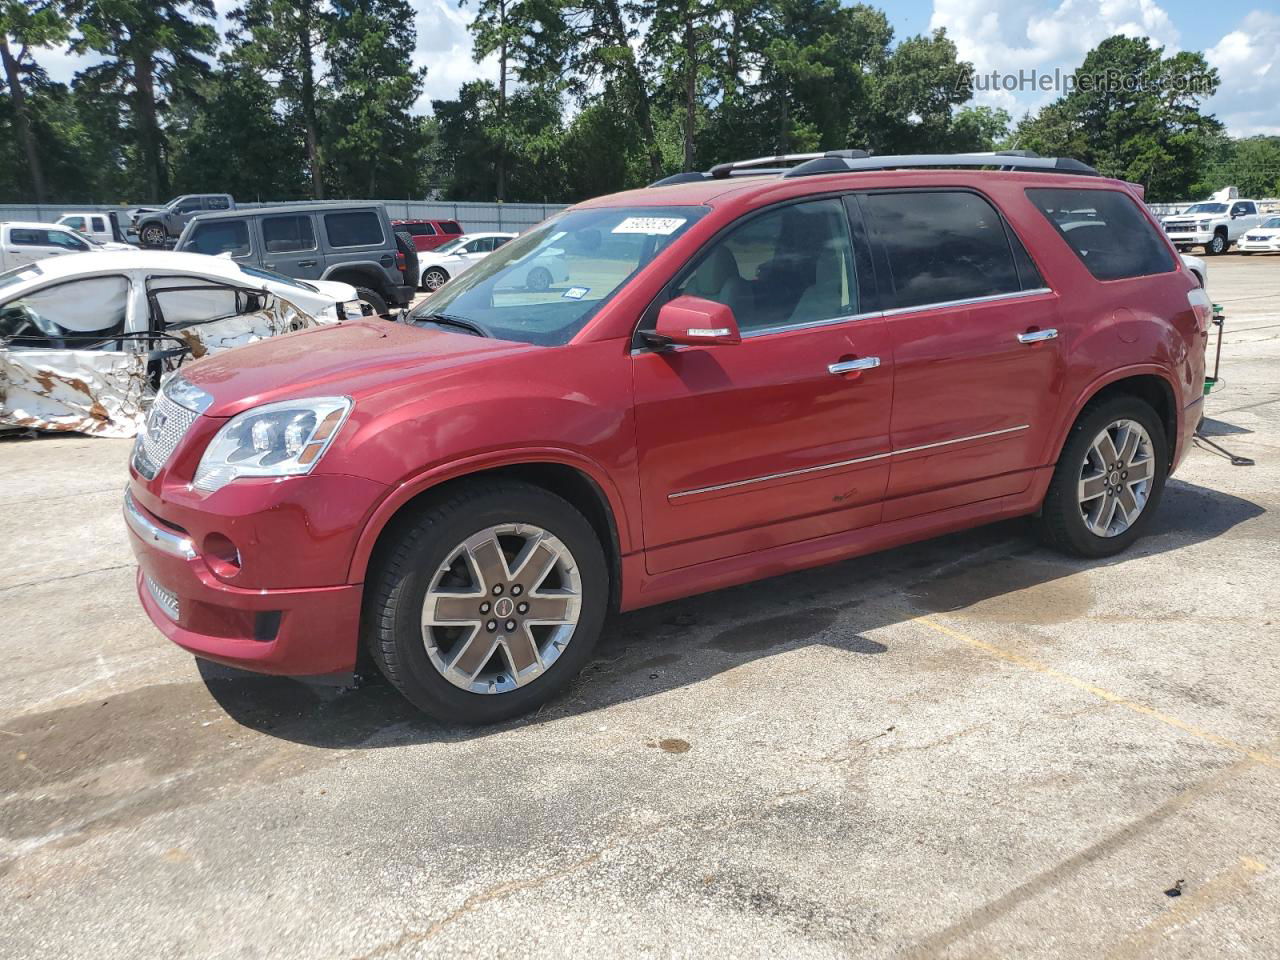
x=1146 y=128
x=31 y=25
x=1251 y=164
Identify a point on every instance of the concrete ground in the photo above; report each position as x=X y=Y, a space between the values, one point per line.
x=967 y=748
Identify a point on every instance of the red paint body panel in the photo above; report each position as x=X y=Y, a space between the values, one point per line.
x=423 y=241
x=837 y=464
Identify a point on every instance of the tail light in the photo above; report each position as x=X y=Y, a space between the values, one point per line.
x=1203 y=308
x=401 y=263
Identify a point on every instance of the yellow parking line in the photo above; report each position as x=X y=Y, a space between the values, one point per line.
x=1111 y=697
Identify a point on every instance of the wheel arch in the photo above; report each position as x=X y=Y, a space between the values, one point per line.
x=1149 y=383
x=358 y=275
x=581 y=484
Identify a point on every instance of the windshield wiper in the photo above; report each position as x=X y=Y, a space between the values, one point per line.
x=445 y=320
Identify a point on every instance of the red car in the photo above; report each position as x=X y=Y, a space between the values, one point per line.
x=747 y=372
x=428 y=234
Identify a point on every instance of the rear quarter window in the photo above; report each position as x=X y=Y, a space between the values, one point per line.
x=1106 y=230
x=450 y=227
x=357 y=229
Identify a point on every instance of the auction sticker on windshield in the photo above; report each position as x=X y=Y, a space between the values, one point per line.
x=651 y=226
x=575 y=293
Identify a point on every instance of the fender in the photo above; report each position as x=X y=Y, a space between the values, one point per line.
x=1059 y=438
x=370 y=268
x=454 y=469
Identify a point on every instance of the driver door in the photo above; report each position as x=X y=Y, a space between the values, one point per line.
x=783 y=437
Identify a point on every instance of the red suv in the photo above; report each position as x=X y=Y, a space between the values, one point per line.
x=428 y=234
x=746 y=372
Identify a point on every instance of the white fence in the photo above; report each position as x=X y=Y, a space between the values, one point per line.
x=512 y=217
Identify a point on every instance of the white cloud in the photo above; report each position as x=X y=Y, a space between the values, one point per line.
x=1009 y=36
x=1248 y=62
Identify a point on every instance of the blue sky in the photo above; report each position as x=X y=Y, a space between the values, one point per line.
x=1242 y=40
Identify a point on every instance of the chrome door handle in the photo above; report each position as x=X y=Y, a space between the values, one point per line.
x=849 y=366
x=1035 y=336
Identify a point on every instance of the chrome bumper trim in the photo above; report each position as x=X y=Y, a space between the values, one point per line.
x=156 y=536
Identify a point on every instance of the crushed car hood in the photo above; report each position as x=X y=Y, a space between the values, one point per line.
x=356 y=358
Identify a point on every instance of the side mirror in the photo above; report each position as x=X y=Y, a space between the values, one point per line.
x=695 y=322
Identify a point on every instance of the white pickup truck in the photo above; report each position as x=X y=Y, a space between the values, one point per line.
x=103 y=226
x=23 y=243
x=1213 y=224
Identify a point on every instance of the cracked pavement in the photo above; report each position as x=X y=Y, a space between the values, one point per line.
x=970 y=747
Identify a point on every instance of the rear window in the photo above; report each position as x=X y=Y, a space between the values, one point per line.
x=219 y=236
x=1106 y=230
x=448 y=226
x=944 y=246
x=359 y=229
x=217 y=203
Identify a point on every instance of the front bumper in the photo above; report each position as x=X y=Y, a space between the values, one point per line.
x=291 y=630
x=1260 y=246
x=1194 y=239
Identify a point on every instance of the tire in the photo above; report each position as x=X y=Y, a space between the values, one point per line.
x=373 y=300
x=424 y=559
x=433 y=278
x=538 y=280
x=1062 y=523
x=152 y=235
x=1217 y=246
x=405 y=247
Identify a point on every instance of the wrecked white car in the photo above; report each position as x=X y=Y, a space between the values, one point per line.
x=85 y=340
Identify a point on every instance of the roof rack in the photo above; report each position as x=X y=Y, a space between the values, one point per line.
x=857 y=161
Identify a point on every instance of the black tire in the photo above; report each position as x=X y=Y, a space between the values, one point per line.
x=152 y=235
x=538 y=280
x=1218 y=245
x=433 y=278
x=398 y=583
x=404 y=246
x=373 y=300
x=1061 y=523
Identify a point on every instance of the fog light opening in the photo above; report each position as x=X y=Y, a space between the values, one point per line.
x=221 y=555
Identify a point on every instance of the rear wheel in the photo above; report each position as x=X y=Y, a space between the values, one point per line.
x=434 y=278
x=371 y=301
x=152 y=235
x=487 y=604
x=1108 y=479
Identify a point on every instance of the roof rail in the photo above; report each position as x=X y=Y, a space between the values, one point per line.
x=759 y=166
x=1003 y=159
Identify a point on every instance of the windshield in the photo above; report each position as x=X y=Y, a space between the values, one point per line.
x=543 y=286
x=1271 y=223
x=19 y=274
x=262 y=274
x=451 y=245
x=1206 y=208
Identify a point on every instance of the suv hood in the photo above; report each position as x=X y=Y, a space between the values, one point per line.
x=355 y=359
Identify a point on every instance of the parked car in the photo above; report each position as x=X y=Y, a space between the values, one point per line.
x=103 y=226
x=1264 y=238
x=1213 y=224
x=429 y=234
x=1197 y=267
x=729 y=390
x=457 y=256
x=156 y=226
x=22 y=242
x=85 y=339
x=351 y=242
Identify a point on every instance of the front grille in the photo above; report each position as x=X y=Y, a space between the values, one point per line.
x=1179 y=227
x=166 y=425
x=166 y=600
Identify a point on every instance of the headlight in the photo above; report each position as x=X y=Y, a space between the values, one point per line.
x=351 y=310
x=276 y=440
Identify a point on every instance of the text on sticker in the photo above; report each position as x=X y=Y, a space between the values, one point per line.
x=651 y=226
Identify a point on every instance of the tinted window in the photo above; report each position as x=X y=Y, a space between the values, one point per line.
x=219 y=236
x=942 y=246
x=59 y=238
x=99 y=224
x=1106 y=230
x=360 y=229
x=448 y=226
x=499 y=241
x=217 y=203
x=283 y=234
x=483 y=245
x=22 y=237
x=190 y=205
x=75 y=223
x=1028 y=273
x=420 y=229
x=789 y=266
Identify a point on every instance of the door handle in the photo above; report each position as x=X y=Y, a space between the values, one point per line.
x=306 y=263
x=849 y=366
x=1035 y=336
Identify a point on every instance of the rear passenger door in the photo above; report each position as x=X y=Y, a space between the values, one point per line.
x=975 y=346
x=289 y=245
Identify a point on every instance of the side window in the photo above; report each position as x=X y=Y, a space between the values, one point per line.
x=25 y=237
x=217 y=203
x=500 y=241
x=71 y=315
x=287 y=234
x=190 y=205
x=943 y=246
x=68 y=241
x=182 y=301
x=1028 y=273
x=1106 y=230
x=99 y=225
x=450 y=227
x=359 y=229
x=786 y=267
x=421 y=230
x=483 y=245
x=220 y=236
x=75 y=223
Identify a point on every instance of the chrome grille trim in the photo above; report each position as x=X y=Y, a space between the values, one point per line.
x=167 y=423
x=166 y=600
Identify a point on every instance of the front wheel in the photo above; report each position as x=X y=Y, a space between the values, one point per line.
x=1217 y=245
x=1108 y=479
x=486 y=604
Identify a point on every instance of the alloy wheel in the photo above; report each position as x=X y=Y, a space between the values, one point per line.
x=1116 y=478
x=502 y=608
x=433 y=280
